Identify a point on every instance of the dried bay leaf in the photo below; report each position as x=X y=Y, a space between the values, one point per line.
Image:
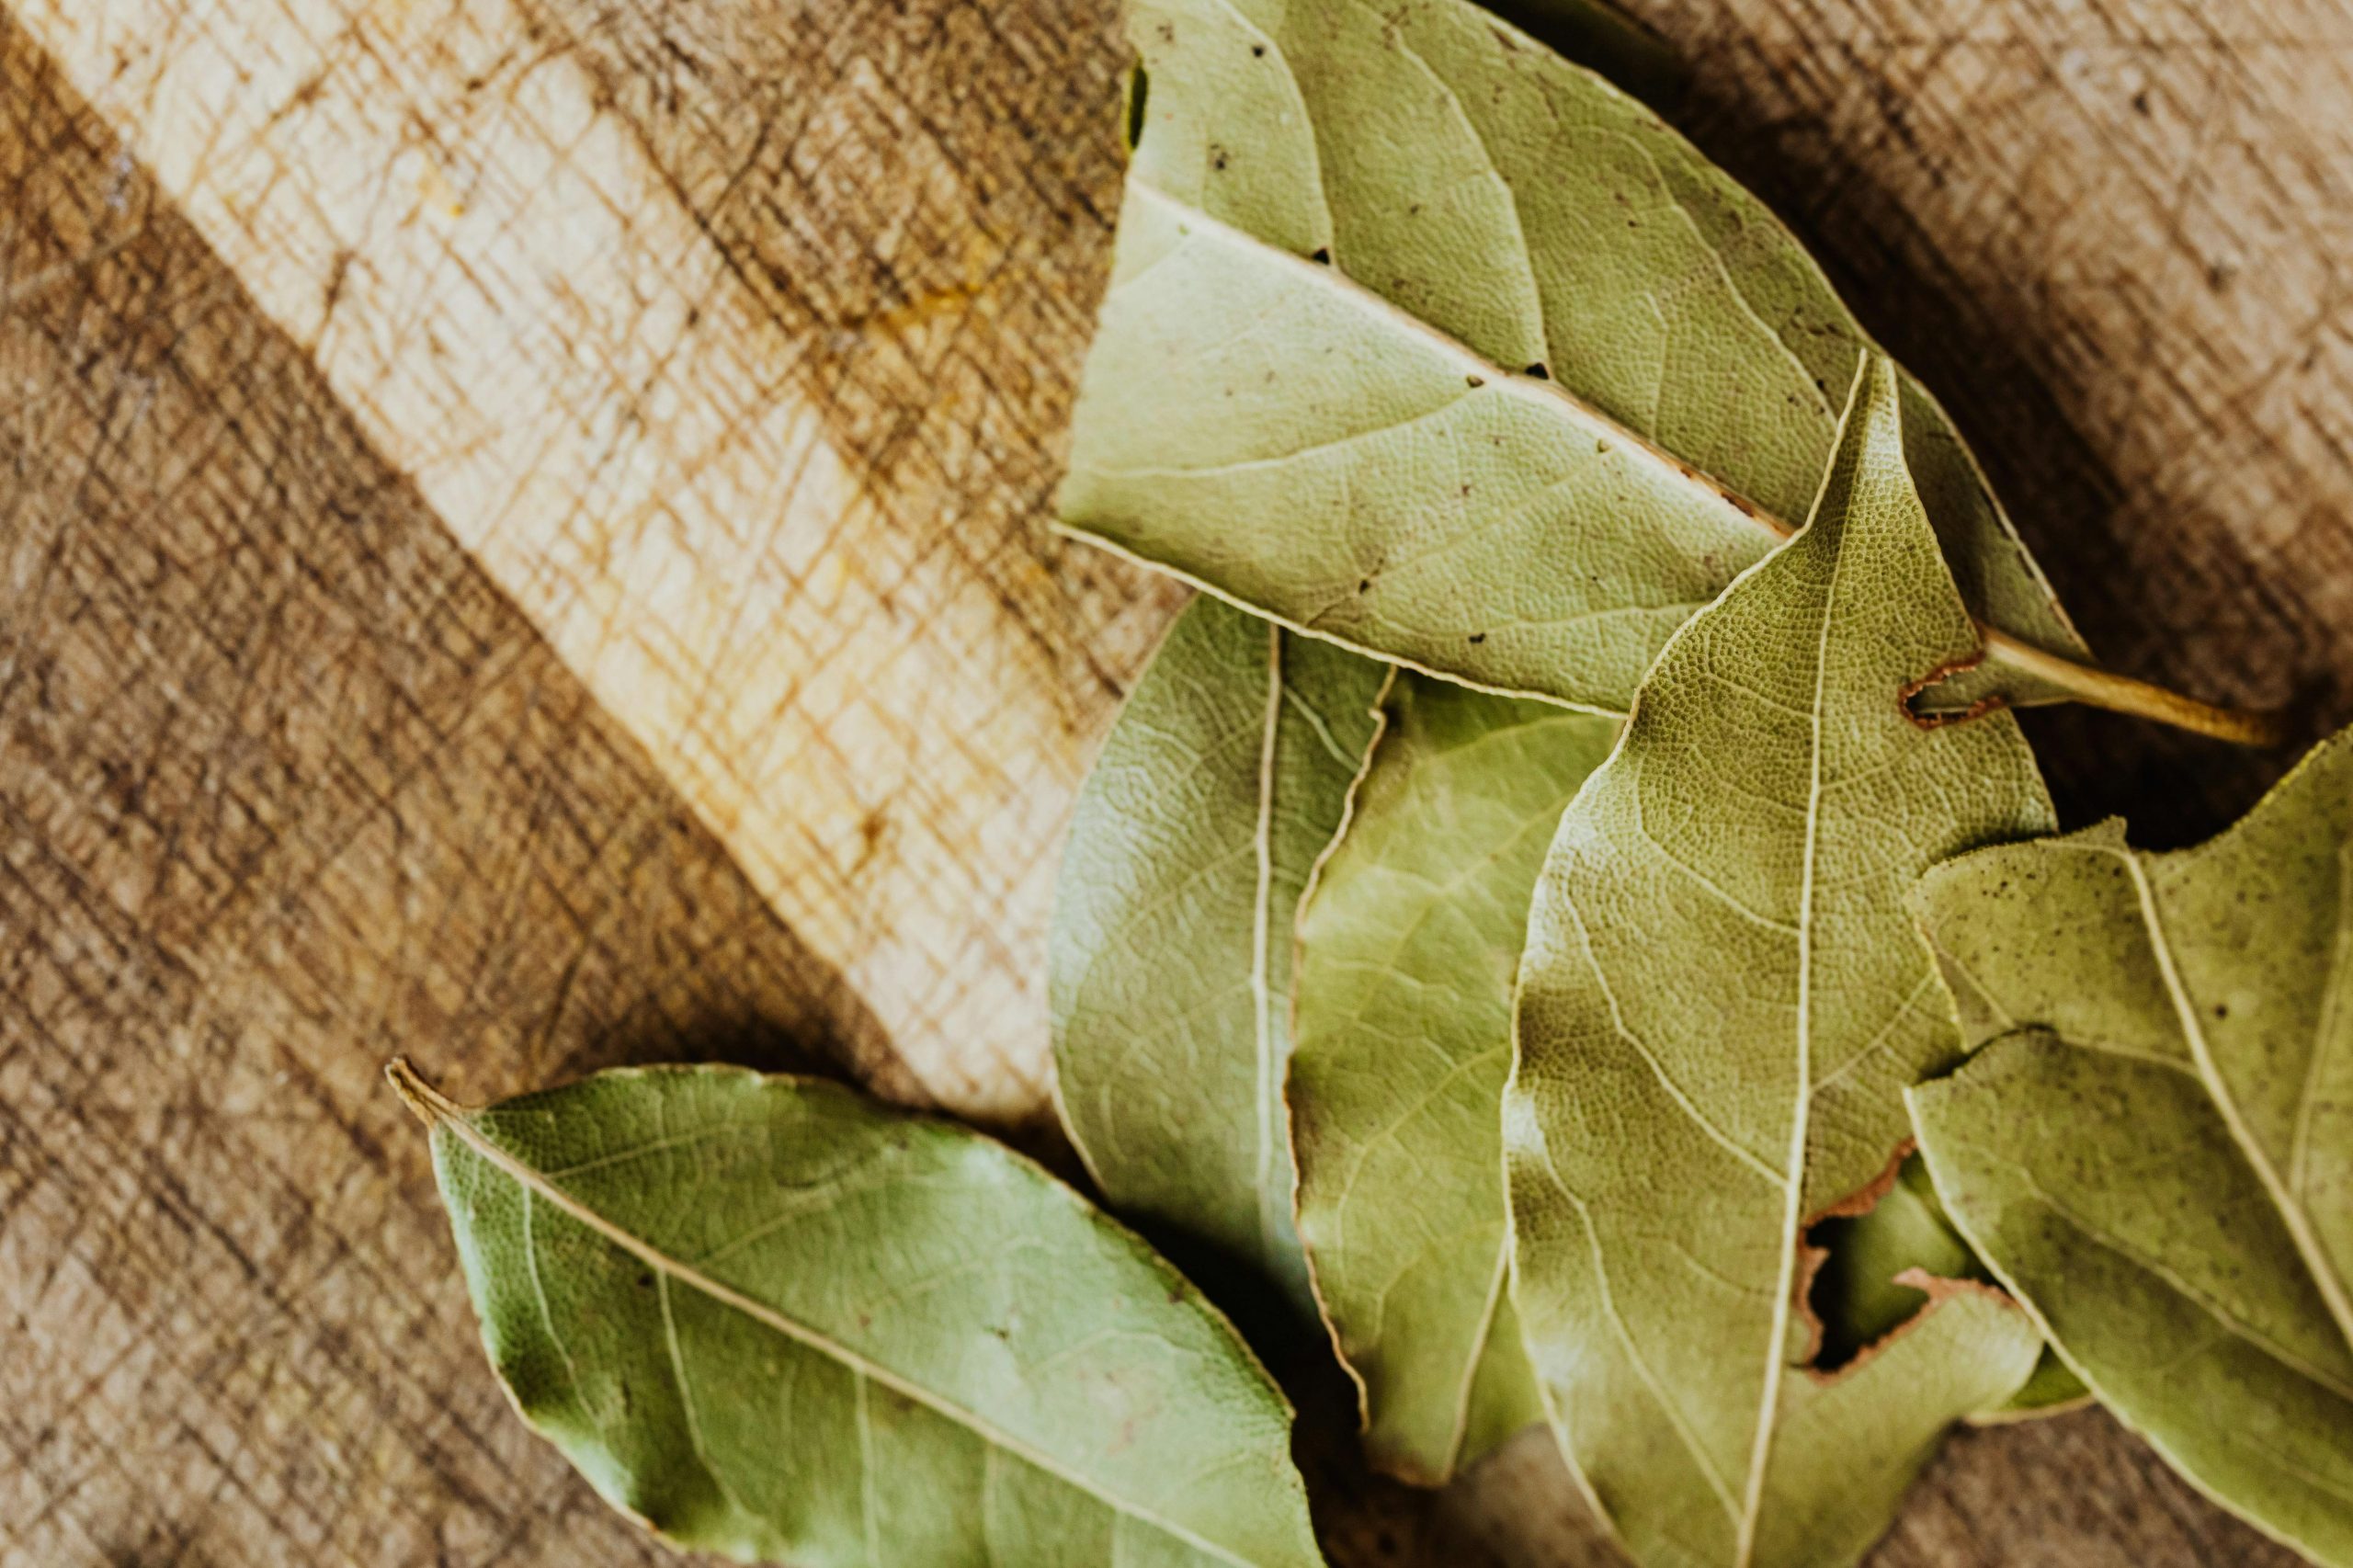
x=1721 y=1001
x=2153 y=1146
x=1427 y=341
x=1874 y=1271
x=1170 y=963
x=1854 y=1281
x=1408 y=944
x=777 y=1321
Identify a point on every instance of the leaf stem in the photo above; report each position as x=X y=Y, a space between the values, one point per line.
x=2079 y=682
x=2122 y=694
x=429 y=1104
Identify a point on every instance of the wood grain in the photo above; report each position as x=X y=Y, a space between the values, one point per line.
x=2113 y=236
x=287 y=784
x=523 y=548
x=741 y=506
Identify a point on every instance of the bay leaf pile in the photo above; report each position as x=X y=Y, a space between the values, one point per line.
x=1568 y=914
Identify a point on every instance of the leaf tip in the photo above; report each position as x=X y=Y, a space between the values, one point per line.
x=426 y=1102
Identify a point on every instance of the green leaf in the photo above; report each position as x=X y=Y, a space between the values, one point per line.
x=1408 y=944
x=1721 y=1002
x=1874 y=1270
x=1170 y=961
x=1860 y=1257
x=2054 y=1390
x=774 y=1320
x=2154 y=1150
x=1428 y=342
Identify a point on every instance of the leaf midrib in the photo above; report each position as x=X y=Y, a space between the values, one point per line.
x=445 y=1115
x=2099 y=1238
x=2231 y=1324
x=1267 y=1085
x=2000 y=649
x=1794 y=1174
x=2315 y=1257
x=1743 y=513
x=1471 y=1367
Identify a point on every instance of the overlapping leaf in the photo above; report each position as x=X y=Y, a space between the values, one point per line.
x=777 y=1322
x=1721 y=1001
x=1408 y=944
x=1858 y=1278
x=1871 y=1273
x=1169 y=976
x=2156 y=1149
x=1428 y=341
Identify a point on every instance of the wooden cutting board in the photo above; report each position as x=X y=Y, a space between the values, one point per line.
x=522 y=546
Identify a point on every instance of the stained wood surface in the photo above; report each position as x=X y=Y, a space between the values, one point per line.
x=523 y=545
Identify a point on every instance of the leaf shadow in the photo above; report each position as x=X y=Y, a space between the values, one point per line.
x=744 y=1038
x=2173 y=596
x=812 y=1046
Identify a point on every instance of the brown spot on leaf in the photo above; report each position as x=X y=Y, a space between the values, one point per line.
x=1907 y=694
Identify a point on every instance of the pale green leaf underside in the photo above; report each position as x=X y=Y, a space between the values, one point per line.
x=1869 y=1284
x=2155 y=1149
x=2054 y=1390
x=1408 y=944
x=777 y=1322
x=1169 y=968
x=1856 y=1289
x=1865 y=1287
x=1721 y=1001
x=1356 y=447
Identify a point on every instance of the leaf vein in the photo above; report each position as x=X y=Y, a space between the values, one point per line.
x=1634 y=1042
x=770 y=1317
x=1717 y=1484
